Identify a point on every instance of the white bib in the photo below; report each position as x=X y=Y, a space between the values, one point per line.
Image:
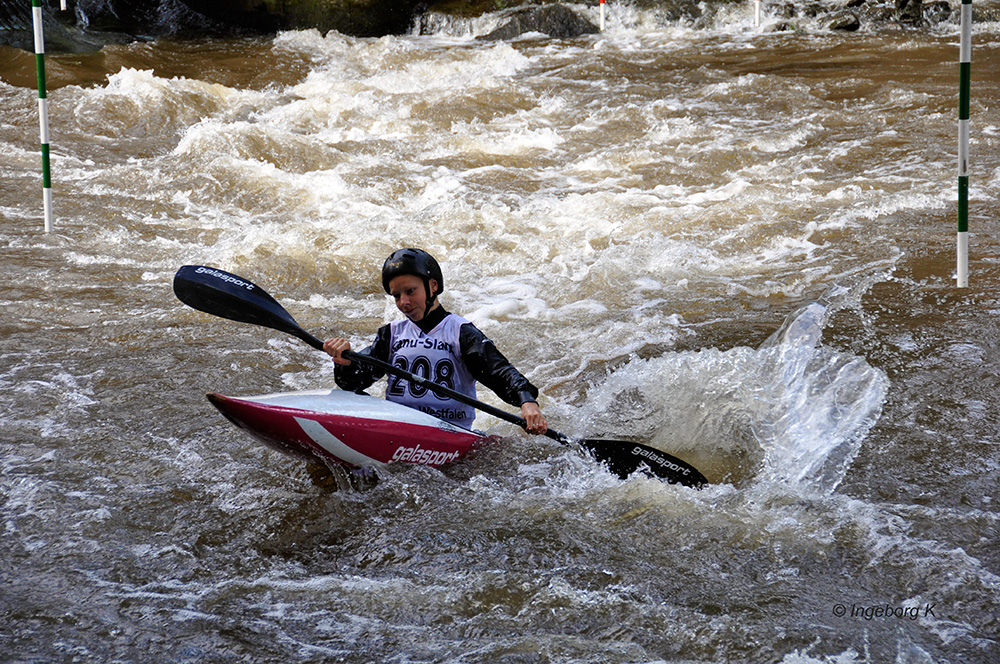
x=436 y=356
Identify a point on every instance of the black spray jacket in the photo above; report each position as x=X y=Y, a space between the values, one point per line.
x=487 y=364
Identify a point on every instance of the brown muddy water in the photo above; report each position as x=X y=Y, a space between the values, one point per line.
x=735 y=246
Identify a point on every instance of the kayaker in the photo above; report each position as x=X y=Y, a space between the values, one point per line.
x=435 y=343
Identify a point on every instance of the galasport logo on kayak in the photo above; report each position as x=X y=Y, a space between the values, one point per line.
x=662 y=461
x=236 y=281
x=423 y=456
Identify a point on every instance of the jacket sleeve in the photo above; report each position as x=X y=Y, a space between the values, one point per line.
x=489 y=366
x=357 y=376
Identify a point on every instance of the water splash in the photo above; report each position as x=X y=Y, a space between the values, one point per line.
x=820 y=403
x=791 y=412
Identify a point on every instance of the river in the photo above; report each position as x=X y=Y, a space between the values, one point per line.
x=734 y=245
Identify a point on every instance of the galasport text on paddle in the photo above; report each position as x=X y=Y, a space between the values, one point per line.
x=229 y=296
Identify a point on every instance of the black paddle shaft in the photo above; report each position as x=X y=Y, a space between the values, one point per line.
x=622 y=457
x=229 y=296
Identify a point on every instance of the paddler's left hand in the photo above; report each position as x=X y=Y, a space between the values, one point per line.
x=532 y=414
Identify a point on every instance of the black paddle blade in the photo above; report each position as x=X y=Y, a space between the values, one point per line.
x=624 y=458
x=230 y=296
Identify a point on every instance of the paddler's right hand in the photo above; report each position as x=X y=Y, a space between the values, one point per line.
x=335 y=348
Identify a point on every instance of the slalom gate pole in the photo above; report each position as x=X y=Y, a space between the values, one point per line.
x=964 y=91
x=602 y=15
x=43 y=112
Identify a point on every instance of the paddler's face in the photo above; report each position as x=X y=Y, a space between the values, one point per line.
x=410 y=296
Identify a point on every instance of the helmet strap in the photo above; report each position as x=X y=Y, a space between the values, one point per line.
x=431 y=297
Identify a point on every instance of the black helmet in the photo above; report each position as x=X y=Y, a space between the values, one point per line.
x=416 y=262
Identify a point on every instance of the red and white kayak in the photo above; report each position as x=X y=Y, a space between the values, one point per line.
x=334 y=426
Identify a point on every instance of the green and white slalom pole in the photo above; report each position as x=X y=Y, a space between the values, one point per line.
x=964 y=91
x=43 y=112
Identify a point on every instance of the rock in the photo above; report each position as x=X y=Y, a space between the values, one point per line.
x=937 y=12
x=556 y=21
x=62 y=35
x=360 y=18
x=909 y=12
x=844 y=21
x=783 y=10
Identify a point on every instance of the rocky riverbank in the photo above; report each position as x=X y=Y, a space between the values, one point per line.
x=87 y=24
x=478 y=19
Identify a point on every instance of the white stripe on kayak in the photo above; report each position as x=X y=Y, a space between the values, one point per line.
x=334 y=445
